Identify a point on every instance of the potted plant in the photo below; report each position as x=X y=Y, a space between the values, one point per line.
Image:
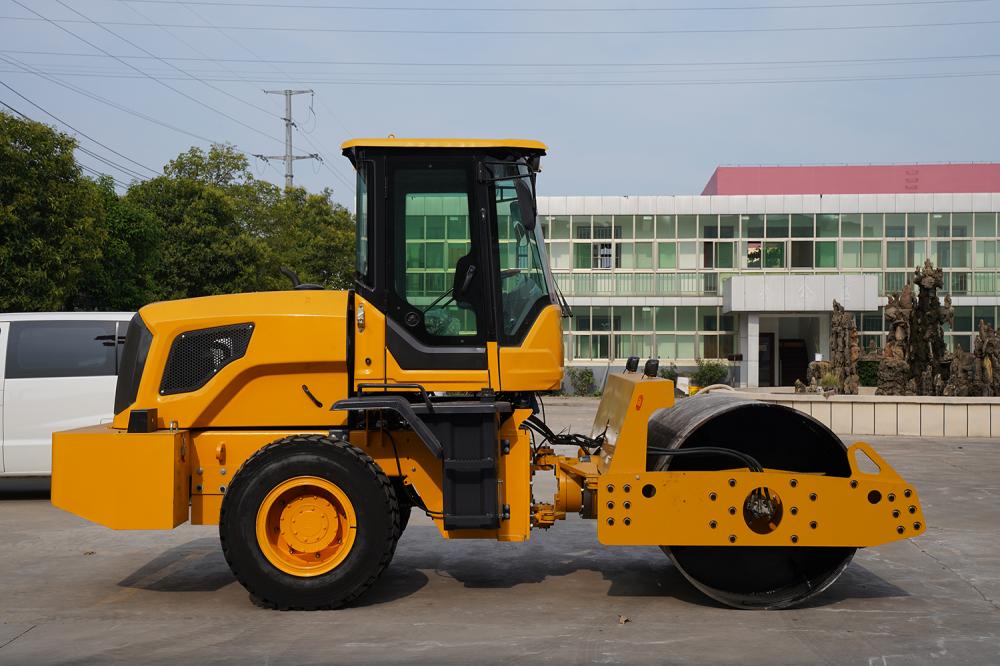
x=709 y=372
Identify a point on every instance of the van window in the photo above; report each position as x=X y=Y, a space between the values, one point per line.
x=61 y=349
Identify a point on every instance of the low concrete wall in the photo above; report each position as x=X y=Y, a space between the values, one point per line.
x=915 y=416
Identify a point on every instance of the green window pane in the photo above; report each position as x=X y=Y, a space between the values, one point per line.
x=752 y=226
x=708 y=226
x=581 y=226
x=871 y=252
x=581 y=346
x=850 y=225
x=709 y=346
x=708 y=318
x=687 y=226
x=850 y=254
x=688 y=255
x=960 y=254
x=435 y=255
x=645 y=226
x=558 y=226
x=961 y=225
x=724 y=253
x=687 y=318
x=415 y=255
x=644 y=318
x=665 y=318
x=414 y=227
x=774 y=255
x=581 y=318
x=727 y=322
x=963 y=318
x=941 y=225
x=621 y=316
x=871 y=225
x=916 y=225
x=984 y=313
x=581 y=255
x=826 y=254
x=643 y=255
x=708 y=254
x=685 y=346
x=435 y=227
x=626 y=255
x=602 y=226
x=458 y=227
x=666 y=227
x=894 y=282
x=777 y=226
x=827 y=225
x=959 y=283
x=666 y=348
x=802 y=226
x=727 y=345
x=986 y=225
x=623 y=226
x=895 y=225
x=729 y=226
x=895 y=254
x=752 y=253
x=802 y=254
x=986 y=254
x=600 y=318
x=667 y=255
x=916 y=252
x=558 y=254
x=941 y=253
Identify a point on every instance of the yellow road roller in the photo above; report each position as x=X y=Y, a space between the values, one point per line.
x=308 y=423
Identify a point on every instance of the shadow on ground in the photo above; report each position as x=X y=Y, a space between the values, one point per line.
x=199 y=566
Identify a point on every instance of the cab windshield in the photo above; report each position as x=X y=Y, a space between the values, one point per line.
x=525 y=281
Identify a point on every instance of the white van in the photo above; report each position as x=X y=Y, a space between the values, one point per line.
x=57 y=371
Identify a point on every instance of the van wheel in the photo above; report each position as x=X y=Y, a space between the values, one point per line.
x=308 y=523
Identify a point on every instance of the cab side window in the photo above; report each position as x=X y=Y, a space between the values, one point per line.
x=435 y=270
x=38 y=349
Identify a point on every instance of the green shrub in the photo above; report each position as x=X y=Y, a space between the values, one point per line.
x=868 y=373
x=669 y=372
x=710 y=372
x=829 y=380
x=582 y=380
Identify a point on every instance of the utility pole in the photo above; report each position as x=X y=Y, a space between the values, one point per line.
x=289 y=157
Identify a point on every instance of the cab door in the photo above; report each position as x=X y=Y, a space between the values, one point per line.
x=437 y=322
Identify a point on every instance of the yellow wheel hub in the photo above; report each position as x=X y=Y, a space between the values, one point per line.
x=306 y=526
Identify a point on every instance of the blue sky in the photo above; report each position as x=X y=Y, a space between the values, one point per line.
x=629 y=101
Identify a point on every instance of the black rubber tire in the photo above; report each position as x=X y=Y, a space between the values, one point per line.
x=365 y=484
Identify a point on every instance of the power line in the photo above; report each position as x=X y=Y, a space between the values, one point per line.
x=133 y=67
x=366 y=81
x=521 y=33
x=411 y=63
x=196 y=50
x=322 y=160
x=562 y=10
x=84 y=134
x=24 y=67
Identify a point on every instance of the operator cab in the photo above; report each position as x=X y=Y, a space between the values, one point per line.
x=449 y=251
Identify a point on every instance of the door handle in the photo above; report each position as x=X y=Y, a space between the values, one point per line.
x=469 y=274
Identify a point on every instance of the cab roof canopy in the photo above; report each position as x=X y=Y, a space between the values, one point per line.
x=393 y=142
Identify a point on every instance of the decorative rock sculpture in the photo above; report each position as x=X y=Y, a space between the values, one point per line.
x=845 y=350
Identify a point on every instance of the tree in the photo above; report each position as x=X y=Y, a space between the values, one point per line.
x=123 y=277
x=205 y=246
x=49 y=217
x=314 y=237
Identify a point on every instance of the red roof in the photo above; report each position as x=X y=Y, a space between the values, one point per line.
x=888 y=179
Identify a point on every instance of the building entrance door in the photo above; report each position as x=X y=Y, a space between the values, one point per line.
x=765 y=359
